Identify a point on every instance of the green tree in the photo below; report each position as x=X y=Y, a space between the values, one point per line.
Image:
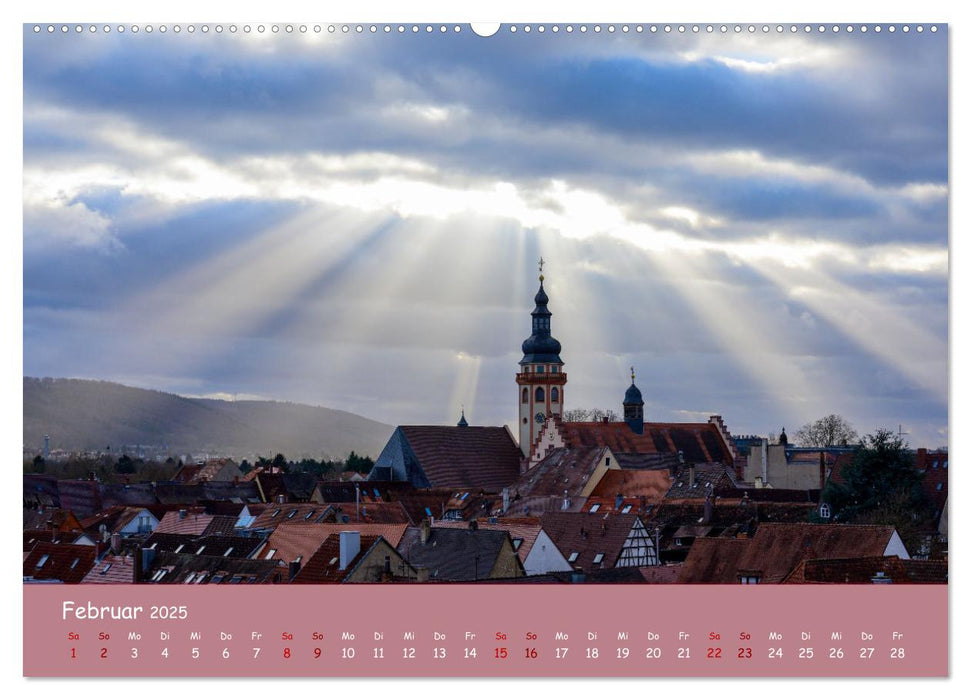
x=356 y=463
x=881 y=487
x=832 y=430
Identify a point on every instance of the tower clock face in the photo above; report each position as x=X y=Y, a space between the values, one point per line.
x=540 y=417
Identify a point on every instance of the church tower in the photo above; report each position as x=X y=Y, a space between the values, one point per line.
x=634 y=406
x=541 y=378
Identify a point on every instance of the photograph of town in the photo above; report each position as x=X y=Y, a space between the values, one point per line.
x=566 y=304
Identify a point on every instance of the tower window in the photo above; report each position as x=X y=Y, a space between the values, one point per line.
x=540 y=394
x=541 y=368
x=554 y=369
x=525 y=395
x=554 y=394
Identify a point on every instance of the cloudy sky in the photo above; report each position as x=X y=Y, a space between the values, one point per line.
x=756 y=222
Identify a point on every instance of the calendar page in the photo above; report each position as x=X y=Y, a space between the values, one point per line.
x=514 y=350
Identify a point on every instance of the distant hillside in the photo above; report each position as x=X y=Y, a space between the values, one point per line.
x=90 y=415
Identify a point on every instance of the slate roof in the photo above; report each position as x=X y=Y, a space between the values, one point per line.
x=436 y=456
x=300 y=539
x=778 y=548
x=112 y=569
x=865 y=569
x=371 y=491
x=589 y=535
x=453 y=554
x=523 y=530
x=62 y=562
x=709 y=478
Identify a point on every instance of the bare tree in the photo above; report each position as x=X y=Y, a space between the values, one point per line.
x=582 y=415
x=833 y=430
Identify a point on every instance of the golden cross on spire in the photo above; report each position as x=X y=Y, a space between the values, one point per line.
x=632 y=375
x=541 y=263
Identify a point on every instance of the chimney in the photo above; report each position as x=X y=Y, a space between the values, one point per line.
x=144 y=562
x=426 y=531
x=116 y=543
x=422 y=574
x=281 y=499
x=295 y=566
x=136 y=565
x=606 y=420
x=708 y=510
x=765 y=460
x=505 y=499
x=182 y=513
x=473 y=525
x=350 y=547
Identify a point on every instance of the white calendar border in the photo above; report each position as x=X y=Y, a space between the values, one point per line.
x=494 y=10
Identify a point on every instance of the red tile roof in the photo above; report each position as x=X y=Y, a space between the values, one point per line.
x=652 y=484
x=778 y=548
x=589 y=535
x=464 y=457
x=188 y=521
x=324 y=565
x=62 y=562
x=563 y=472
x=698 y=442
x=866 y=569
x=299 y=539
x=112 y=569
x=371 y=512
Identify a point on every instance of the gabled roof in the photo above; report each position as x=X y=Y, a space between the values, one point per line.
x=778 y=548
x=47 y=519
x=454 y=554
x=32 y=537
x=113 y=568
x=369 y=512
x=698 y=442
x=562 y=472
x=324 y=565
x=300 y=539
x=62 y=562
x=451 y=456
x=292 y=488
x=521 y=530
x=866 y=569
x=588 y=535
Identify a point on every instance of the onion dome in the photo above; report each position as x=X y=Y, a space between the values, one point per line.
x=541 y=346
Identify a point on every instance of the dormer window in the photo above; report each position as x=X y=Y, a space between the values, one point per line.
x=598 y=558
x=595 y=507
x=270 y=554
x=824 y=511
x=749 y=580
x=517 y=543
x=573 y=557
x=626 y=509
